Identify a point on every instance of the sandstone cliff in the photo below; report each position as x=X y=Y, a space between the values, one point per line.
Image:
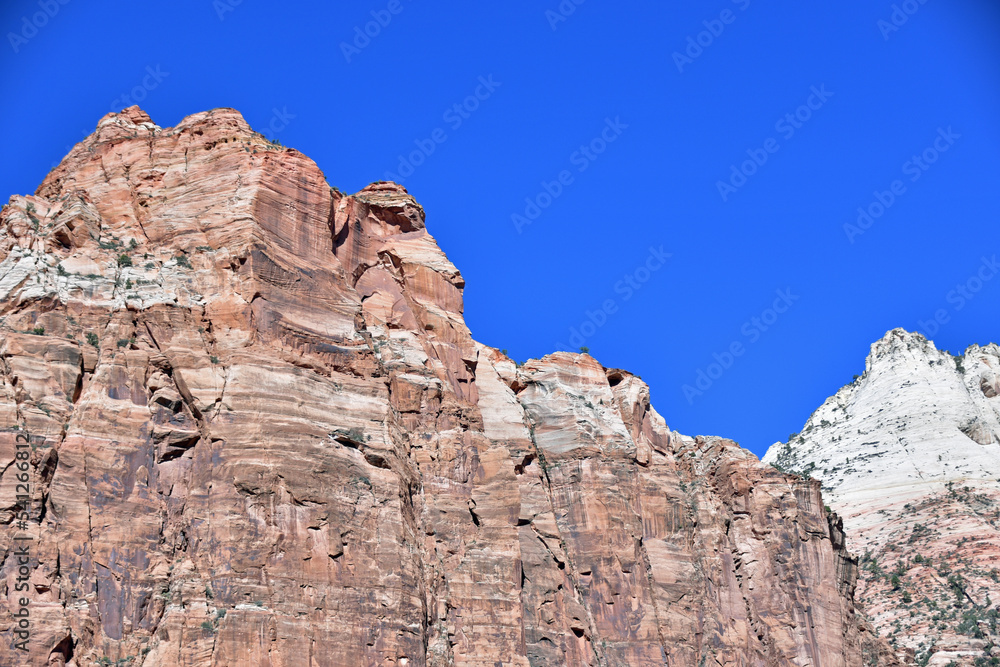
x=260 y=433
x=909 y=454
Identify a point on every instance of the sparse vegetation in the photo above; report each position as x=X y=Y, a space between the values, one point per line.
x=959 y=363
x=919 y=531
x=183 y=261
x=30 y=208
x=124 y=260
x=92 y=339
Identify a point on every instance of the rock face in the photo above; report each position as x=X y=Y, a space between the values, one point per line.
x=259 y=433
x=909 y=454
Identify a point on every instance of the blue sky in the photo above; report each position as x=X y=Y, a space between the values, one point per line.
x=670 y=181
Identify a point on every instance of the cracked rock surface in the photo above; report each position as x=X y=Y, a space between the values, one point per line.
x=261 y=434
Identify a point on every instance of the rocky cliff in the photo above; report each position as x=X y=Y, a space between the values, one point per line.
x=909 y=454
x=242 y=422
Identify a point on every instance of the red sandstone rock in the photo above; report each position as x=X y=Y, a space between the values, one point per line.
x=261 y=434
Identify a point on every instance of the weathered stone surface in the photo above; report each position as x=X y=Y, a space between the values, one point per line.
x=261 y=434
x=909 y=454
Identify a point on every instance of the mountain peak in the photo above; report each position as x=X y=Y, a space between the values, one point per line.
x=910 y=393
x=909 y=455
x=133 y=115
x=900 y=341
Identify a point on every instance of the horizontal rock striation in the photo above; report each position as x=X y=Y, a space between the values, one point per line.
x=260 y=433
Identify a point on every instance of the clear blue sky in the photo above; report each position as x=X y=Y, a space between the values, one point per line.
x=673 y=126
